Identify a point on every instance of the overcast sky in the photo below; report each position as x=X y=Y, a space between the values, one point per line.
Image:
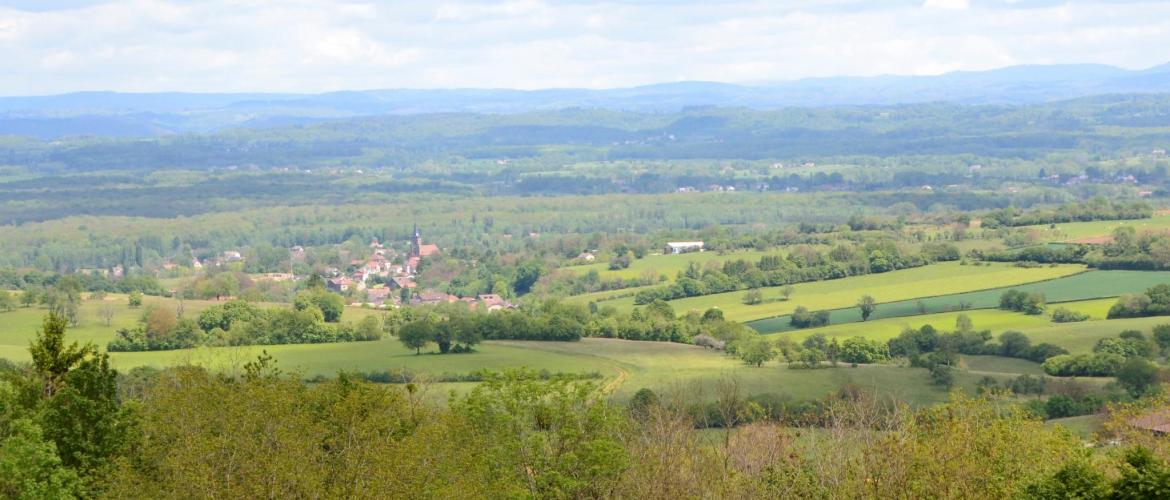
x=52 y=46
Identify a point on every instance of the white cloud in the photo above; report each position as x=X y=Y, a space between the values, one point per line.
x=321 y=45
x=947 y=4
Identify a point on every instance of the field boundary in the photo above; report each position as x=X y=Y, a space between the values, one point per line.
x=981 y=290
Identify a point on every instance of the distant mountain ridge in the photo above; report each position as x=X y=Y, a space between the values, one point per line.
x=113 y=114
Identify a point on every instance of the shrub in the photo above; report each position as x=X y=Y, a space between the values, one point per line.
x=1063 y=315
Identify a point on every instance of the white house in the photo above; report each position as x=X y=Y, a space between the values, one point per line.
x=673 y=247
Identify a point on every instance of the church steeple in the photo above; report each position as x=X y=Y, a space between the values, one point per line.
x=416 y=242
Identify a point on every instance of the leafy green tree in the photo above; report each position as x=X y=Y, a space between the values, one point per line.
x=942 y=375
x=643 y=402
x=1076 y=479
x=786 y=291
x=867 y=305
x=416 y=334
x=135 y=299
x=315 y=282
x=963 y=324
x=560 y=437
x=753 y=297
x=369 y=328
x=811 y=358
x=29 y=297
x=526 y=276
x=84 y=417
x=52 y=358
x=1143 y=476
x=1162 y=338
x=1014 y=344
x=1138 y=376
x=757 y=352
x=30 y=467
x=7 y=303
x=331 y=305
x=862 y=350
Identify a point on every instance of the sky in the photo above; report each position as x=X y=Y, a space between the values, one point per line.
x=55 y=46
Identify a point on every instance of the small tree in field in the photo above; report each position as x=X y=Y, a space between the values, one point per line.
x=28 y=298
x=416 y=335
x=867 y=305
x=753 y=297
x=107 y=313
x=135 y=299
x=758 y=351
x=786 y=292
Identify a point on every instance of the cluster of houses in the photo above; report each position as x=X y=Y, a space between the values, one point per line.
x=397 y=277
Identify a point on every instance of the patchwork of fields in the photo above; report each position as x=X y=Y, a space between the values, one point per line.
x=626 y=366
x=1076 y=337
x=665 y=265
x=1087 y=285
x=688 y=371
x=933 y=280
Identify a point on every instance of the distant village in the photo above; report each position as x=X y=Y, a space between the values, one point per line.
x=381 y=279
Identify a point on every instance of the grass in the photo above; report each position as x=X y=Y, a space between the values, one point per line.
x=936 y=279
x=1083 y=426
x=1087 y=285
x=689 y=371
x=996 y=365
x=1080 y=230
x=669 y=369
x=586 y=298
x=1075 y=337
x=668 y=265
x=694 y=373
x=19 y=327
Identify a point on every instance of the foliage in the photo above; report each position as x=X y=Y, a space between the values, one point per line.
x=867 y=305
x=802 y=318
x=757 y=351
x=1027 y=303
x=1064 y=315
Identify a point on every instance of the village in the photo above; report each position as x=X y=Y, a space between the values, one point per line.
x=382 y=278
x=386 y=284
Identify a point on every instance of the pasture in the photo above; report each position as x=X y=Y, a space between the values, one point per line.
x=1074 y=231
x=668 y=265
x=927 y=281
x=676 y=370
x=1087 y=285
x=1076 y=337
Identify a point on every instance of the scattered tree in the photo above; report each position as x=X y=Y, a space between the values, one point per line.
x=866 y=304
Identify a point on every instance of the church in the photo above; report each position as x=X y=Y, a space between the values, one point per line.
x=418 y=249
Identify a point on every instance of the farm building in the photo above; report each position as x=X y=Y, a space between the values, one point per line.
x=675 y=247
x=1157 y=422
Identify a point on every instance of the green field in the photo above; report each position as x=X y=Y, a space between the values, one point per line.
x=1088 y=285
x=18 y=327
x=586 y=298
x=937 y=279
x=1081 y=230
x=1083 y=426
x=671 y=369
x=666 y=265
x=1076 y=337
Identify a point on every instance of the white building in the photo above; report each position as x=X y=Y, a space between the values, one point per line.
x=674 y=247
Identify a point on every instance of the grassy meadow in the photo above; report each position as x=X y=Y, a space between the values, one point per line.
x=1082 y=286
x=1076 y=337
x=668 y=265
x=933 y=280
x=1085 y=230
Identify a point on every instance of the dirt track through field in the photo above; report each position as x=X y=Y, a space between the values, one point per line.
x=617 y=382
